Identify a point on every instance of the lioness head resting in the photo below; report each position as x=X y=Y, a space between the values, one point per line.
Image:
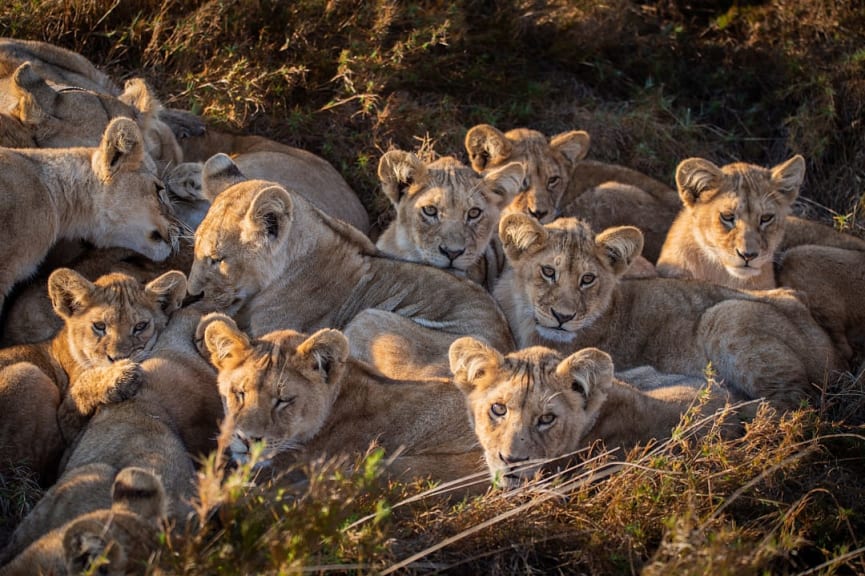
x=445 y=213
x=115 y=317
x=531 y=405
x=564 y=274
x=278 y=389
x=737 y=212
x=548 y=163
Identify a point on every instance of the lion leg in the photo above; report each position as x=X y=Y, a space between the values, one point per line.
x=93 y=388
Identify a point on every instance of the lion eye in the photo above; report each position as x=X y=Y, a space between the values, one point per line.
x=140 y=327
x=554 y=181
x=498 y=410
x=548 y=272
x=545 y=420
x=239 y=396
x=766 y=218
x=99 y=328
x=430 y=211
x=587 y=280
x=214 y=260
x=474 y=213
x=728 y=218
x=525 y=185
x=285 y=402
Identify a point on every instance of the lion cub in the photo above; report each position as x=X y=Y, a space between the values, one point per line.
x=535 y=404
x=564 y=291
x=48 y=390
x=561 y=182
x=306 y=394
x=446 y=215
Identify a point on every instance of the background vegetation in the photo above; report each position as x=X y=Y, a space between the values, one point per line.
x=653 y=82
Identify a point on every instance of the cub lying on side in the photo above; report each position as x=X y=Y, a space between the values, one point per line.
x=48 y=390
x=734 y=221
x=108 y=195
x=563 y=291
x=446 y=215
x=123 y=536
x=561 y=182
x=273 y=261
x=306 y=394
x=535 y=404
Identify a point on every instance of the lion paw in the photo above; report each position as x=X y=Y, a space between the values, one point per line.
x=127 y=380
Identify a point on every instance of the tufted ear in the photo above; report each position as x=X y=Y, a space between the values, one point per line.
x=573 y=145
x=620 y=246
x=505 y=182
x=695 y=177
x=590 y=374
x=487 y=145
x=35 y=97
x=788 y=177
x=168 y=290
x=227 y=344
x=141 y=492
x=521 y=234
x=218 y=174
x=325 y=353
x=397 y=171
x=69 y=291
x=268 y=217
x=122 y=148
x=471 y=360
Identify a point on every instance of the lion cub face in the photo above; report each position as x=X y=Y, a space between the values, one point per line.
x=115 y=317
x=738 y=210
x=279 y=389
x=564 y=274
x=548 y=164
x=445 y=213
x=531 y=405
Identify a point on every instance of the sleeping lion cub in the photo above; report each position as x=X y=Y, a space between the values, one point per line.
x=535 y=404
x=564 y=291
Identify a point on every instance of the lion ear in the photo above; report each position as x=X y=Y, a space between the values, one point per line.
x=86 y=545
x=141 y=492
x=137 y=93
x=487 y=145
x=505 y=182
x=521 y=234
x=227 y=344
x=696 y=177
x=573 y=145
x=397 y=171
x=325 y=353
x=203 y=323
x=471 y=360
x=589 y=373
x=36 y=99
x=620 y=246
x=788 y=177
x=268 y=217
x=121 y=149
x=168 y=290
x=69 y=291
x=218 y=174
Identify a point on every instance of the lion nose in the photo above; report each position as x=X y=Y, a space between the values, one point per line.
x=538 y=214
x=747 y=256
x=562 y=318
x=451 y=254
x=510 y=460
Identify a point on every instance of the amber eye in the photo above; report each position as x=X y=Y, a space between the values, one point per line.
x=548 y=272
x=728 y=218
x=587 y=280
x=474 y=213
x=430 y=211
x=766 y=218
x=99 y=328
x=498 y=410
x=546 y=419
x=525 y=185
x=554 y=181
x=140 y=327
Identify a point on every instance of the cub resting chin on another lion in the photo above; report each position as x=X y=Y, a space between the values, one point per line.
x=304 y=396
x=535 y=405
x=270 y=259
x=564 y=291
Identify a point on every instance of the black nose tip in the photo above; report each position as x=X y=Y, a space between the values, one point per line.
x=561 y=318
x=451 y=254
x=538 y=214
x=747 y=256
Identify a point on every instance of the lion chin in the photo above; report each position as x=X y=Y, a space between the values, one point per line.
x=743 y=271
x=555 y=334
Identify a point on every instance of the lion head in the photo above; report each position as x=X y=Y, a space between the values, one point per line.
x=445 y=213
x=115 y=317
x=530 y=406
x=563 y=275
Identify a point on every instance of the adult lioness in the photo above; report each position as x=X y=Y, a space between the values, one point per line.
x=306 y=394
x=108 y=195
x=274 y=261
x=736 y=219
x=48 y=390
x=563 y=290
x=446 y=215
x=117 y=540
x=534 y=405
x=561 y=182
